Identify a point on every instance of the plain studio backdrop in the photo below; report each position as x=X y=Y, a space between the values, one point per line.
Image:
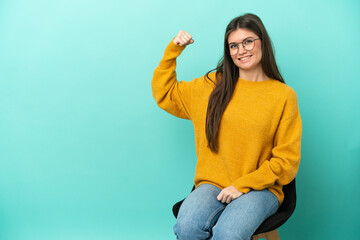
x=85 y=152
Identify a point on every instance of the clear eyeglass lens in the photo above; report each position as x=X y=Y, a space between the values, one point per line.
x=249 y=44
x=233 y=49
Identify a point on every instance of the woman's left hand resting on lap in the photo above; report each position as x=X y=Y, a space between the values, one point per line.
x=228 y=194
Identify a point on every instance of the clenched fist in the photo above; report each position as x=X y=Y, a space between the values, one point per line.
x=183 y=39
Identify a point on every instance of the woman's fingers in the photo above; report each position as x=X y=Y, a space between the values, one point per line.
x=229 y=194
x=183 y=38
x=220 y=196
x=189 y=37
x=226 y=198
x=223 y=197
x=229 y=199
x=187 y=34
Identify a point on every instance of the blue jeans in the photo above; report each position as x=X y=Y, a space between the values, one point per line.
x=202 y=216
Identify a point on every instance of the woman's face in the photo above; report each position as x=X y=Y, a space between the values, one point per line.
x=245 y=59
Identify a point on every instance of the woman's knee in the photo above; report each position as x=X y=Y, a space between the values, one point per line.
x=189 y=229
x=242 y=217
x=220 y=233
x=198 y=213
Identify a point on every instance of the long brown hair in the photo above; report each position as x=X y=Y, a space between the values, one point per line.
x=227 y=74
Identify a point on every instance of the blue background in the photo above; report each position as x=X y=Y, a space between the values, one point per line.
x=85 y=153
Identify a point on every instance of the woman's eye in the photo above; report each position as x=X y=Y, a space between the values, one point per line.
x=233 y=46
x=248 y=42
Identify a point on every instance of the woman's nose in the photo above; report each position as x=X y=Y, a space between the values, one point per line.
x=241 y=49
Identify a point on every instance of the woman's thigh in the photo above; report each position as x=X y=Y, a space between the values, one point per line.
x=198 y=213
x=244 y=215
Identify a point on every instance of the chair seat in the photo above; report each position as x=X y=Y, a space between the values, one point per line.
x=283 y=213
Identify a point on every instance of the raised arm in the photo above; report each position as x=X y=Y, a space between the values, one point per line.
x=171 y=95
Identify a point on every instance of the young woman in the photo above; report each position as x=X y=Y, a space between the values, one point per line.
x=247 y=133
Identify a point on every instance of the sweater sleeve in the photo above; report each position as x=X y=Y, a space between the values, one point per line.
x=169 y=94
x=283 y=165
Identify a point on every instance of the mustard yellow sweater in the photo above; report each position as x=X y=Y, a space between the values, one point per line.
x=259 y=135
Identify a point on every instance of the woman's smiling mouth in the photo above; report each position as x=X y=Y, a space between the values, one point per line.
x=244 y=59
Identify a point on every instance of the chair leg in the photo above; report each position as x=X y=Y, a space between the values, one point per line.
x=273 y=235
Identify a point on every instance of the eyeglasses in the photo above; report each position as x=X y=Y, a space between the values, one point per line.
x=248 y=44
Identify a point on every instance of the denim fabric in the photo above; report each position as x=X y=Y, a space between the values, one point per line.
x=203 y=217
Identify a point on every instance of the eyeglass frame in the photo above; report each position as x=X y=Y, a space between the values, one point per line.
x=243 y=44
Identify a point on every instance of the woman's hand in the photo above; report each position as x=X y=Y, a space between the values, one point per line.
x=228 y=194
x=183 y=39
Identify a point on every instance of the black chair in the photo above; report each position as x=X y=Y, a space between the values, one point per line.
x=273 y=222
